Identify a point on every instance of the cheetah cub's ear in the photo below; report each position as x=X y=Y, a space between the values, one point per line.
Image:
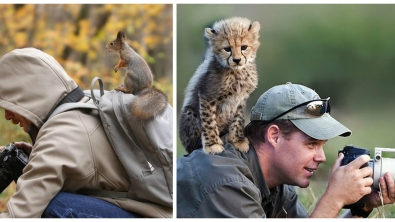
x=254 y=27
x=210 y=33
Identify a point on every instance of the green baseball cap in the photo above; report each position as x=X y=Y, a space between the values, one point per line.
x=303 y=107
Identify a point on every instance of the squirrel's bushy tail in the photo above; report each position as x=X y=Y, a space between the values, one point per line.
x=150 y=102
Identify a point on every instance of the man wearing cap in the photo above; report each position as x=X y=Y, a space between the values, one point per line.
x=289 y=125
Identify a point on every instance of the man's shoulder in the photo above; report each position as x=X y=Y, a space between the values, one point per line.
x=210 y=169
x=202 y=179
x=73 y=126
x=80 y=118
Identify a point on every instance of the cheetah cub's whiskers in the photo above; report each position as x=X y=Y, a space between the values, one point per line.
x=216 y=95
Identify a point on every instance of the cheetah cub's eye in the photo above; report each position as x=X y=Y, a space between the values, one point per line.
x=227 y=49
x=244 y=47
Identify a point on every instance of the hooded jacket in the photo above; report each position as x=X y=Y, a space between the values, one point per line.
x=71 y=150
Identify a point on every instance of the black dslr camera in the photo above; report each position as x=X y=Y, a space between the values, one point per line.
x=352 y=152
x=12 y=162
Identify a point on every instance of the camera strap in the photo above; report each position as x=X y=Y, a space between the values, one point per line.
x=381 y=214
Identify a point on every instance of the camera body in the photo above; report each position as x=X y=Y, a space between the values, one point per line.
x=12 y=162
x=379 y=164
x=351 y=152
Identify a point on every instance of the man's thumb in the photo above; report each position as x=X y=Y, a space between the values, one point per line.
x=338 y=161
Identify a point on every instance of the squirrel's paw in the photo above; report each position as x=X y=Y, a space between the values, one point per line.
x=122 y=88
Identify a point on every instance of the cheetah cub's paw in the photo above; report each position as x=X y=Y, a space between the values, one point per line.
x=214 y=149
x=242 y=146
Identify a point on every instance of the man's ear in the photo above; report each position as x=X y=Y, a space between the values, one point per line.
x=272 y=135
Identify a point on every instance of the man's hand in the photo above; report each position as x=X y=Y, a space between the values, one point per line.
x=347 y=184
x=24 y=146
x=387 y=185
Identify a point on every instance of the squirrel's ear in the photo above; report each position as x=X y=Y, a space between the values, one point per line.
x=210 y=33
x=254 y=27
x=121 y=35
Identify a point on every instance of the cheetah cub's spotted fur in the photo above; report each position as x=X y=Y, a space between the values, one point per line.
x=216 y=94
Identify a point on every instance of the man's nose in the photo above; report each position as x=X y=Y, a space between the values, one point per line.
x=320 y=155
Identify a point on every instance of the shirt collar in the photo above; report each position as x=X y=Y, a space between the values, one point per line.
x=259 y=179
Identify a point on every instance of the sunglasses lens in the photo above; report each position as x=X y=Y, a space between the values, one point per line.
x=317 y=108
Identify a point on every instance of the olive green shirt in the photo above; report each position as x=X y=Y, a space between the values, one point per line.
x=230 y=184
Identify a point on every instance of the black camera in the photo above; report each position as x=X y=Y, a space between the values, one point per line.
x=352 y=152
x=12 y=162
x=379 y=164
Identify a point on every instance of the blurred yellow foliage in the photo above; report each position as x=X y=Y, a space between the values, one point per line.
x=5 y=196
x=20 y=39
x=76 y=36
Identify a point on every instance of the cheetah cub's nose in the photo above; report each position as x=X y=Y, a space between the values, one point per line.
x=236 y=61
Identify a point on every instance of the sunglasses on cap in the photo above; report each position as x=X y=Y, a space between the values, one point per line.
x=315 y=107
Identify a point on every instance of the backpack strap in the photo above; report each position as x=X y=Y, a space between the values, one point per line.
x=69 y=106
x=103 y=193
x=74 y=96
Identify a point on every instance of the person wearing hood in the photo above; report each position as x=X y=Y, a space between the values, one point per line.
x=69 y=152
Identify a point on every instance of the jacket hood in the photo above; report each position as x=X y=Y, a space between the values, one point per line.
x=32 y=83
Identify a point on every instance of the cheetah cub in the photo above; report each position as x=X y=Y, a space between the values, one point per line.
x=216 y=95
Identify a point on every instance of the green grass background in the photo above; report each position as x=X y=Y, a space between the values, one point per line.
x=343 y=51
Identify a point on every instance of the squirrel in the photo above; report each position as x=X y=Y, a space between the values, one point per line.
x=150 y=102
